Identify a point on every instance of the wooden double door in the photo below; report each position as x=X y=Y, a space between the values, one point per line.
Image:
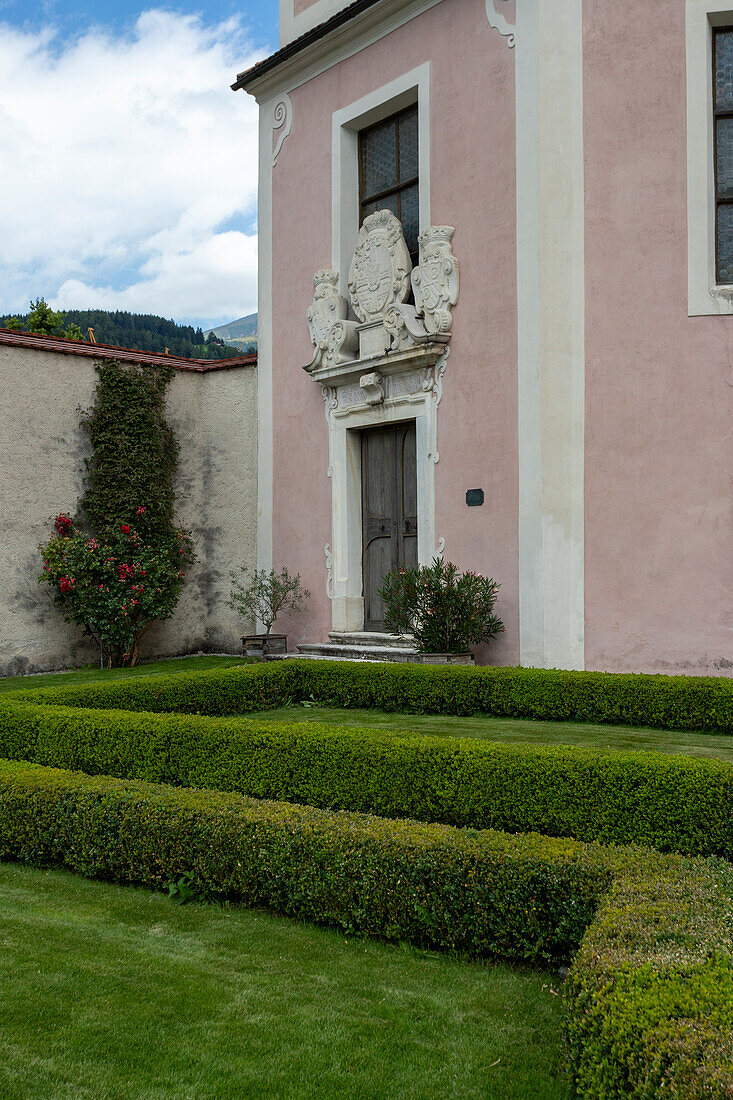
x=389 y=510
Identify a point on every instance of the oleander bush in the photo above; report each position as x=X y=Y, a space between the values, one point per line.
x=670 y=802
x=668 y=702
x=649 y=1001
x=446 y=611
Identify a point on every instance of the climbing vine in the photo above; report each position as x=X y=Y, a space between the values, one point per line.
x=134 y=450
x=119 y=565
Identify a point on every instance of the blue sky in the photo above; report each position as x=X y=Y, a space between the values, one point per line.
x=73 y=16
x=129 y=167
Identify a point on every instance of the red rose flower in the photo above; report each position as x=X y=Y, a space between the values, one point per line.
x=63 y=524
x=124 y=527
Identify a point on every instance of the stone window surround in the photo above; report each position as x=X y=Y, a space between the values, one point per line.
x=344 y=553
x=411 y=87
x=705 y=296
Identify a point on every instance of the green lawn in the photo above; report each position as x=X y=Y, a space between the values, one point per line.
x=719 y=746
x=113 y=992
x=92 y=675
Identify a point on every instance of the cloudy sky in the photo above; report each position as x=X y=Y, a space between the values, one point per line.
x=128 y=169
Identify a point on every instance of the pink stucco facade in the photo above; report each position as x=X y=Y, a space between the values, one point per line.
x=654 y=560
x=659 y=387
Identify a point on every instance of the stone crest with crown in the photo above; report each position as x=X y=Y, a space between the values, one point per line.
x=390 y=334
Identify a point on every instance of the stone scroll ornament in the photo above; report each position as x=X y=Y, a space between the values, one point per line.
x=435 y=281
x=332 y=335
x=404 y=326
x=379 y=275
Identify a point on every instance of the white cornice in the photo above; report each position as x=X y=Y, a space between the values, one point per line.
x=344 y=42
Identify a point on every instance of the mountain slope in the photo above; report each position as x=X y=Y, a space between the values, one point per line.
x=240 y=332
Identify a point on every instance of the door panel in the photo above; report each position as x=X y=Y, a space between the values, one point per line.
x=408 y=556
x=389 y=510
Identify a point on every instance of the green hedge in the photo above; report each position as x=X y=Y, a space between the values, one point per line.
x=649 y=1001
x=487 y=894
x=670 y=802
x=670 y=702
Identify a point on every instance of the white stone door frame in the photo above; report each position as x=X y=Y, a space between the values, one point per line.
x=345 y=423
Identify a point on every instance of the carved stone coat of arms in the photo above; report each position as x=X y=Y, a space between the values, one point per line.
x=328 y=305
x=380 y=270
x=379 y=285
x=435 y=281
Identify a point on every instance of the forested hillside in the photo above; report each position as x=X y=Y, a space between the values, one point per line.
x=144 y=332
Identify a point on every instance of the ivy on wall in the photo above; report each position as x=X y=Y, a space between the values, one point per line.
x=134 y=450
x=120 y=565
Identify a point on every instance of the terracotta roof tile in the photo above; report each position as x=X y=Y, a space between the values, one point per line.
x=39 y=342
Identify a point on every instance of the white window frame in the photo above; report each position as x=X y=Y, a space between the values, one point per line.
x=411 y=87
x=704 y=295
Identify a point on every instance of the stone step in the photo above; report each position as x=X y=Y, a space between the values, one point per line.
x=317 y=657
x=371 y=638
x=332 y=651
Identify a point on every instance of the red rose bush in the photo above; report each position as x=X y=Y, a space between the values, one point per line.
x=115 y=587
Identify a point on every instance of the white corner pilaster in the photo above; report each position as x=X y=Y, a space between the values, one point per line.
x=551 y=331
x=264 y=344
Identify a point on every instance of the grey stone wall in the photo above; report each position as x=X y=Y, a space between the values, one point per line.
x=42 y=453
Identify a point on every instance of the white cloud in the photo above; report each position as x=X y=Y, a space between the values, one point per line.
x=220 y=269
x=124 y=163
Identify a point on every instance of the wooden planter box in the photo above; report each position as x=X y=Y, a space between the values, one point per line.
x=262 y=645
x=445 y=658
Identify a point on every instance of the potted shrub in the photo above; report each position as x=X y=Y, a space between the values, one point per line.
x=446 y=611
x=262 y=598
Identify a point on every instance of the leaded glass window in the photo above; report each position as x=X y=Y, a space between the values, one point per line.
x=723 y=123
x=388 y=172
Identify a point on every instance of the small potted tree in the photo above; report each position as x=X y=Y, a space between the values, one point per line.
x=446 y=611
x=263 y=597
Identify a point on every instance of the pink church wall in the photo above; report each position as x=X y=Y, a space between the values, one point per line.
x=472 y=188
x=659 y=386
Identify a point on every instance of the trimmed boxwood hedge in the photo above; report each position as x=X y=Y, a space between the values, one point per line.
x=670 y=702
x=649 y=1001
x=487 y=894
x=670 y=802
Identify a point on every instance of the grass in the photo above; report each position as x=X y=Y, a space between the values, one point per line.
x=92 y=675
x=711 y=745
x=113 y=992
